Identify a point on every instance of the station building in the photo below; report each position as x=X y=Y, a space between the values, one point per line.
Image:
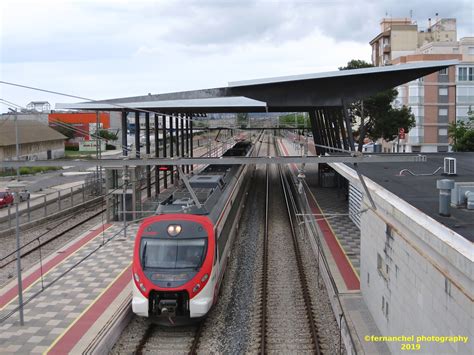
x=416 y=266
x=85 y=122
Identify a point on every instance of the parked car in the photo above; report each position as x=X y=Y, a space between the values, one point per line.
x=6 y=198
x=24 y=195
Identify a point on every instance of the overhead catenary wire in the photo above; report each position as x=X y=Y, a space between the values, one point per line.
x=104 y=243
x=70 y=127
x=83 y=208
x=125 y=107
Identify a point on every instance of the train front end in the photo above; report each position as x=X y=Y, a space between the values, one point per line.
x=173 y=274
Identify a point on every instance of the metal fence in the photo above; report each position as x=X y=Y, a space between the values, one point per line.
x=41 y=207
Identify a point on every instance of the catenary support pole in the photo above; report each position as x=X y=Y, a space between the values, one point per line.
x=124 y=133
x=165 y=153
x=18 y=258
x=147 y=150
x=157 y=155
x=191 y=142
x=137 y=134
x=171 y=147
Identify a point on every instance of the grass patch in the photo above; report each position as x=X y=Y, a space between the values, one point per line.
x=76 y=154
x=26 y=170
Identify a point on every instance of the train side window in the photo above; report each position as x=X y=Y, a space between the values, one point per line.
x=215 y=254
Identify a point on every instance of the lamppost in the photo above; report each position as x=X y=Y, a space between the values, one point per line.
x=125 y=180
x=16 y=188
x=296 y=124
x=17 y=143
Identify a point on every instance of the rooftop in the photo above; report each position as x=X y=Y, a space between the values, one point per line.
x=278 y=94
x=28 y=132
x=421 y=192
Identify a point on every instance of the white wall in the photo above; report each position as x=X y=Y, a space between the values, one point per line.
x=426 y=276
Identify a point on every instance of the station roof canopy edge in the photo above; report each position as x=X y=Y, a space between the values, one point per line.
x=279 y=94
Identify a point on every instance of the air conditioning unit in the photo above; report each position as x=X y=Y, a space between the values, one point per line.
x=450 y=166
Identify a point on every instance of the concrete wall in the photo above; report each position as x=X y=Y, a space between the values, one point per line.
x=421 y=270
x=403 y=39
x=32 y=151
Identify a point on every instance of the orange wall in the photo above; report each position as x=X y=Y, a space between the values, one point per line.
x=80 y=118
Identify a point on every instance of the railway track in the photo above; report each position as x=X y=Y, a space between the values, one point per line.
x=175 y=340
x=41 y=241
x=36 y=244
x=287 y=320
x=166 y=340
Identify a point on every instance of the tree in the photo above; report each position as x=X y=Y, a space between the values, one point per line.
x=109 y=136
x=378 y=119
x=289 y=120
x=356 y=64
x=242 y=119
x=462 y=134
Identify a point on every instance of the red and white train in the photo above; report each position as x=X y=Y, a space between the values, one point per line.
x=180 y=254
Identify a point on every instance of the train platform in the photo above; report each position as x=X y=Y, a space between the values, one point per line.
x=340 y=240
x=74 y=299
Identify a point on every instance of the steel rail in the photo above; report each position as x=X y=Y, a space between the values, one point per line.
x=299 y=260
x=197 y=338
x=263 y=326
x=301 y=271
x=153 y=328
x=145 y=338
x=56 y=236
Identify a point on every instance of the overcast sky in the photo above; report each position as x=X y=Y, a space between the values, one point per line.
x=110 y=48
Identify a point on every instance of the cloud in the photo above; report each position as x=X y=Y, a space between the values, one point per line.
x=107 y=48
x=87 y=30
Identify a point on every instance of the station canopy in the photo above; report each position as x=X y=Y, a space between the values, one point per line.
x=280 y=94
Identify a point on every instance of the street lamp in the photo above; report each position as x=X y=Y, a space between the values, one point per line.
x=17 y=144
x=16 y=188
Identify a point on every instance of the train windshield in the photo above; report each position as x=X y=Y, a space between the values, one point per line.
x=172 y=254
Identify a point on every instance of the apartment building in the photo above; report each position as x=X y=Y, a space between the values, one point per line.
x=401 y=36
x=438 y=99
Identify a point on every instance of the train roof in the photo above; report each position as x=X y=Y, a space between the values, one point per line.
x=208 y=185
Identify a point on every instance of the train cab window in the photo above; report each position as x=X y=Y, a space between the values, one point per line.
x=172 y=254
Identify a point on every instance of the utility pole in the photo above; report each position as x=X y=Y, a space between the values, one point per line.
x=16 y=188
x=17 y=143
x=125 y=179
x=296 y=124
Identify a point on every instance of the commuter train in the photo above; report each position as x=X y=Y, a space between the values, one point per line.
x=180 y=254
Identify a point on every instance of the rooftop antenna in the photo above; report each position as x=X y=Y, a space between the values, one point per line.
x=411 y=14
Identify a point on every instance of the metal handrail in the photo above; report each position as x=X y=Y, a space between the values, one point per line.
x=413 y=174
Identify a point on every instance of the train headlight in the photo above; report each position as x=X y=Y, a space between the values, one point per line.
x=174 y=229
x=137 y=278
x=142 y=287
x=204 y=278
x=196 y=288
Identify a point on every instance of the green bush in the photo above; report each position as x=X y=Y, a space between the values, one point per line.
x=25 y=170
x=110 y=136
x=72 y=148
